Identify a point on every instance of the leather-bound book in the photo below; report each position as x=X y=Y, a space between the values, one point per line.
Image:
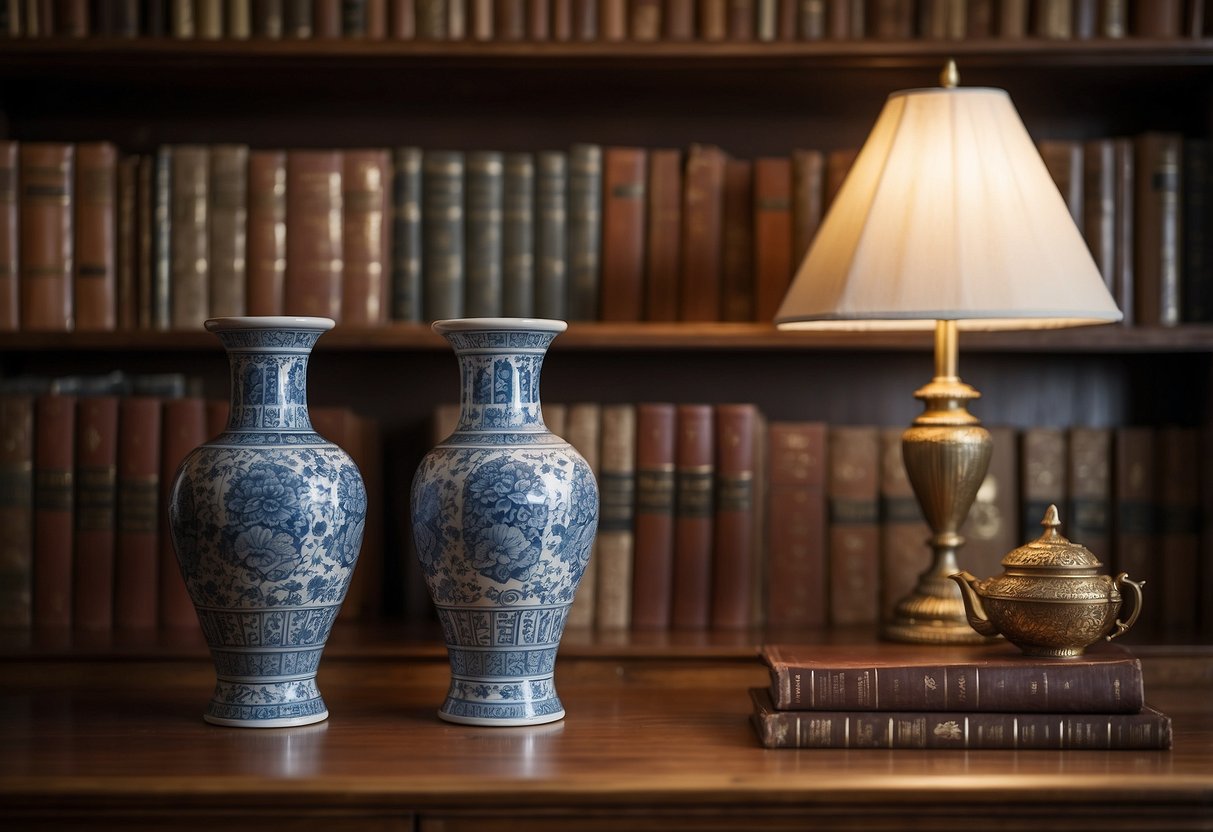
x=313 y=233
x=162 y=240
x=904 y=554
x=137 y=558
x=442 y=220
x=846 y=19
x=16 y=508
x=1089 y=520
x=482 y=247
x=1053 y=19
x=616 y=538
x=766 y=20
x=796 y=520
x=713 y=19
x=551 y=244
x=786 y=20
x=183 y=428
x=54 y=499
x=238 y=19
x=189 y=290
x=1114 y=18
x=653 y=568
x=894 y=19
x=1157 y=212
x=1161 y=19
x=562 y=20
x=518 y=237
x=702 y=223
x=145 y=240
x=365 y=180
x=583 y=429
x=1013 y=18
x=980 y=22
x=772 y=234
x=538 y=20
x=808 y=200
x=1043 y=477
x=625 y=175
x=96 y=495
x=1124 y=283
x=679 y=22
x=266 y=231
x=364 y=19
x=737 y=247
x=854 y=531
x=406 y=234
x=126 y=293
x=992 y=528
x=585 y=200
x=458 y=13
x=95 y=248
x=585 y=19
x=644 y=19
x=812 y=23
x=509 y=20
x=45 y=243
x=298 y=18
x=694 y=478
x=228 y=229
x=1180 y=526
x=403 y=19
x=1086 y=19
x=1064 y=159
x=431 y=20
x=1135 y=521
x=612 y=20
x=72 y=18
x=268 y=18
x=740 y=20
x=663 y=243
x=1099 y=205
x=10 y=261
x=480 y=14
x=733 y=554
x=208 y=19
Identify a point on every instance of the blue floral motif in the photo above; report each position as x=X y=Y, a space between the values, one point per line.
x=270 y=554
x=504 y=516
x=266 y=495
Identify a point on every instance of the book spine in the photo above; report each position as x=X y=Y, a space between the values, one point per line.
x=96 y=495
x=854 y=463
x=1099 y=206
x=1043 y=478
x=1052 y=19
x=1157 y=207
x=625 y=175
x=1090 y=489
x=1158 y=18
x=518 y=237
x=584 y=231
x=485 y=194
x=238 y=19
x=845 y=19
x=740 y=20
x=616 y=538
x=145 y=242
x=539 y=20
x=72 y=18
x=812 y=25
x=126 y=268
x=1196 y=286
x=772 y=234
x=679 y=20
x=268 y=19
x=45 y=241
x=481 y=15
x=992 y=527
x=645 y=19
x=16 y=509
x=352 y=18
x=562 y=20
x=612 y=20
x=190 y=288
x=894 y=19
x=653 y=570
x=583 y=432
x=208 y=19
x=796 y=517
x=442 y=234
x=162 y=240
x=733 y=518
x=297 y=18
x=54 y=501
x=980 y=23
x=808 y=208
x=10 y=261
x=406 y=234
x=702 y=215
x=183 y=428
x=1064 y=159
x=838 y=165
x=1135 y=524
x=431 y=20
x=663 y=249
x=137 y=560
x=694 y=476
x=509 y=20
x=737 y=247
x=1123 y=285
x=95 y=257
x=1179 y=524
x=403 y=19
x=364 y=236
x=551 y=242
x=228 y=229
x=713 y=19
x=313 y=233
x=903 y=532
x=266 y=231
x=1086 y=19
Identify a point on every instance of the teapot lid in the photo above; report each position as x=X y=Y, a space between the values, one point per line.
x=1051 y=549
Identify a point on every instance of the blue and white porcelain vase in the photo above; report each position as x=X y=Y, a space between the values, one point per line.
x=504 y=514
x=267 y=521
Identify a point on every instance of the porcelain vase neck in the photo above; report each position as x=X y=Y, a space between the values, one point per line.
x=499 y=378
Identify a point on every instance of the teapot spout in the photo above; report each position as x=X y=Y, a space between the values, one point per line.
x=974 y=610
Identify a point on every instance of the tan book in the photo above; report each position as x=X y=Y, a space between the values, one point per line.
x=582 y=430
x=365 y=182
x=189 y=285
x=228 y=229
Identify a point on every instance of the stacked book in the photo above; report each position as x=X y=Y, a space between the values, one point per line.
x=969 y=697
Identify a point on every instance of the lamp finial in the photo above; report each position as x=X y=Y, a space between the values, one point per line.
x=950 y=77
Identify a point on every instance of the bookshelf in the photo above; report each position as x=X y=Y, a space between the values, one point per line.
x=750 y=98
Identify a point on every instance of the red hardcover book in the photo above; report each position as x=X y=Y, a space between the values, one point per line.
x=702 y=220
x=612 y=20
x=95 y=258
x=664 y=245
x=653 y=570
x=713 y=19
x=326 y=19
x=403 y=19
x=365 y=184
x=796 y=522
x=853 y=471
x=737 y=247
x=733 y=524
x=54 y=498
x=739 y=20
x=625 y=174
x=539 y=20
x=45 y=244
x=183 y=429
x=127 y=260
x=679 y=23
x=266 y=231
x=10 y=262
x=16 y=509
x=313 y=233
x=137 y=547
x=96 y=494
x=694 y=476
x=772 y=235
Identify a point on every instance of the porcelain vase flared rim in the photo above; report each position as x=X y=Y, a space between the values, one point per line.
x=499 y=324
x=269 y=322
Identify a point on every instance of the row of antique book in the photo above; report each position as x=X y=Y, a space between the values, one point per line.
x=85 y=471
x=963 y=697
x=95 y=240
x=714 y=518
x=606 y=20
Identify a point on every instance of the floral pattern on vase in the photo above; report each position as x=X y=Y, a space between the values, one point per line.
x=267 y=521
x=504 y=515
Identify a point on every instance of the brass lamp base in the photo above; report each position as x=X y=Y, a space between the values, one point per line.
x=946 y=453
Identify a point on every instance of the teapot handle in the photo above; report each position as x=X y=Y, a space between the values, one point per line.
x=1121 y=581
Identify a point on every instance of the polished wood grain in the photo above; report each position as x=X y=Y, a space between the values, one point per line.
x=648 y=743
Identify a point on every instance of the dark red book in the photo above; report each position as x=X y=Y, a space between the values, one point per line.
x=1135 y=524
x=664 y=244
x=1157 y=18
x=313 y=233
x=509 y=20
x=733 y=520
x=679 y=23
x=16 y=508
x=127 y=261
x=808 y=200
x=694 y=476
x=625 y=174
x=183 y=429
x=653 y=571
x=10 y=262
x=266 y=231
x=45 y=245
x=737 y=247
x=702 y=220
x=365 y=186
x=796 y=525
x=96 y=494
x=95 y=255
x=854 y=528
x=772 y=234
x=54 y=499
x=137 y=553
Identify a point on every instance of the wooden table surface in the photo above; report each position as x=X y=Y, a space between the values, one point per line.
x=647 y=744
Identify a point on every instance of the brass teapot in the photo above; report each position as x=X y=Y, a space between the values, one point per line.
x=1049 y=601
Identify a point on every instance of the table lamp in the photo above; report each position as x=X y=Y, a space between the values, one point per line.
x=949 y=220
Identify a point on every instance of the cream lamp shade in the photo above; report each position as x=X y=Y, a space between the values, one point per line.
x=948 y=214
